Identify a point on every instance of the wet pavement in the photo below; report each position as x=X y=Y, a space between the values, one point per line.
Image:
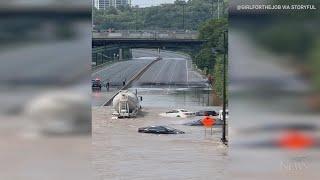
x=173 y=72
x=121 y=71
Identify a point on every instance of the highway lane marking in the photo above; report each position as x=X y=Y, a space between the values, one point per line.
x=113 y=73
x=131 y=80
x=125 y=73
x=175 y=65
x=117 y=64
x=160 y=70
x=119 y=71
x=103 y=69
x=187 y=72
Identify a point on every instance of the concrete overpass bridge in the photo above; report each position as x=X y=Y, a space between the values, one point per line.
x=113 y=44
x=146 y=34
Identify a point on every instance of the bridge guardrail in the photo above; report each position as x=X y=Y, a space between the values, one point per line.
x=146 y=35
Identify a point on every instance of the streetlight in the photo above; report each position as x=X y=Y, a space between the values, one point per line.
x=224 y=139
x=224 y=51
x=183 y=7
x=218 y=9
x=212 y=11
x=136 y=19
x=183 y=3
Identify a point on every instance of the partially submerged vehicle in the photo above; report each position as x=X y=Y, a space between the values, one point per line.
x=207 y=113
x=178 y=113
x=199 y=123
x=160 y=130
x=194 y=123
x=126 y=104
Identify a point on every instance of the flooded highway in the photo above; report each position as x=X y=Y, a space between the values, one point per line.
x=173 y=71
x=120 y=152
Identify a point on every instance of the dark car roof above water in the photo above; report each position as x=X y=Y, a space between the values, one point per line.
x=162 y=129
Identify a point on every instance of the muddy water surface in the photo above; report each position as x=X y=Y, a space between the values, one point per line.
x=120 y=152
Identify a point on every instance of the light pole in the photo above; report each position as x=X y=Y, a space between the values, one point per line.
x=224 y=139
x=218 y=9
x=183 y=3
x=212 y=8
x=183 y=9
x=136 y=18
x=225 y=64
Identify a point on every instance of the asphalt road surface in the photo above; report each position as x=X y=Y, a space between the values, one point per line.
x=171 y=71
x=116 y=74
x=174 y=70
x=121 y=71
x=166 y=71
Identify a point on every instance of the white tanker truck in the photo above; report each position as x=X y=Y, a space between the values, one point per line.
x=126 y=104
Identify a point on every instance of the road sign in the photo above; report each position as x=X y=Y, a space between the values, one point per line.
x=208 y=121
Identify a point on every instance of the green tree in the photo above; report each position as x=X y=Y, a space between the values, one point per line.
x=212 y=31
x=165 y=16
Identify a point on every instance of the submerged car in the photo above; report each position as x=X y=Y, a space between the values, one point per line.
x=199 y=123
x=96 y=84
x=194 y=123
x=178 y=113
x=207 y=113
x=159 y=130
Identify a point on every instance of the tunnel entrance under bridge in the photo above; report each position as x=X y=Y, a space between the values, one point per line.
x=105 y=50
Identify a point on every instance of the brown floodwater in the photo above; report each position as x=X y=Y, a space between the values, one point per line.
x=120 y=152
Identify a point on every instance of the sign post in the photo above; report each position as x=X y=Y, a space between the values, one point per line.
x=208 y=122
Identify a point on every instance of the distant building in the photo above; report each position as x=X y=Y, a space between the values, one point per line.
x=104 y=4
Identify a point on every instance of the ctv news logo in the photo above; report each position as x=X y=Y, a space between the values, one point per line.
x=294 y=165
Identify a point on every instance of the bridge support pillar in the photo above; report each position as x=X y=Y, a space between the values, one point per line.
x=130 y=53
x=120 y=54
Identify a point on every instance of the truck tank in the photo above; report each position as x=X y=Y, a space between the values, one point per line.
x=126 y=97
